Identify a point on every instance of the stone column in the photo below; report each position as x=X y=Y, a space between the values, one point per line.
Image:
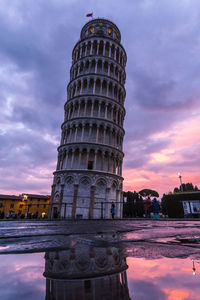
x=91 y=48
x=107 y=204
x=61 y=199
x=106 y=111
x=74 y=204
x=72 y=161
x=91 y=209
x=118 y=203
x=75 y=135
x=70 y=134
x=104 y=46
x=95 y=71
x=92 y=109
x=121 y=204
x=104 y=135
x=87 y=158
x=102 y=160
x=94 y=87
x=79 y=159
x=97 y=134
x=51 y=201
x=115 y=52
x=79 y=106
x=90 y=131
x=82 y=134
x=66 y=160
x=95 y=159
x=99 y=109
x=112 y=108
x=108 y=69
x=97 y=47
x=109 y=50
x=108 y=162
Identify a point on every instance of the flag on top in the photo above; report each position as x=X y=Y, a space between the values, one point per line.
x=89 y=15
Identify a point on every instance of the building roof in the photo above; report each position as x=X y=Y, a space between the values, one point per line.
x=14 y=197
x=10 y=197
x=36 y=196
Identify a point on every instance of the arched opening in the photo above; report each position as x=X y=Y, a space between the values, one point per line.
x=117 y=55
x=88 y=48
x=110 y=89
x=112 y=51
x=98 y=86
x=94 y=49
x=91 y=85
x=105 y=67
x=101 y=48
x=87 y=66
x=99 y=66
x=107 y=49
x=92 y=66
x=84 y=85
x=104 y=87
x=111 y=70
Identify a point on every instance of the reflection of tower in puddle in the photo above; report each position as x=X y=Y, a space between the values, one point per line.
x=86 y=272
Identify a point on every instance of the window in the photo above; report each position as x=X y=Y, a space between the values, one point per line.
x=109 y=31
x=21 y=205
x=1 y=205
x=12 y=205
x=195 y=206
x=38 y=205
x=44 y=205
x=91 y=29
x=90 y=165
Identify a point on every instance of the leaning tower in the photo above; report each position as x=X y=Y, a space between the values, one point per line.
x=88 y=178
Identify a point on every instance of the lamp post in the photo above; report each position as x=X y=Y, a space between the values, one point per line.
x=180 y=177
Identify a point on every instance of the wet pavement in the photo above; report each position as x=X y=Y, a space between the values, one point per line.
x=105 y=259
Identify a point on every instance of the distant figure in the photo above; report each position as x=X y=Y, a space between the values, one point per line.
x=148 y=207
x=156 y=209
x=55 y=213
x=43 y=215
x=112 y=210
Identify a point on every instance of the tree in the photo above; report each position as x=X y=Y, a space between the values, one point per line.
x=148 y=192
x=186 y=187
x=134 y=206
x=171 y=205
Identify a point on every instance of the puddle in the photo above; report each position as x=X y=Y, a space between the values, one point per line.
x=90 y=271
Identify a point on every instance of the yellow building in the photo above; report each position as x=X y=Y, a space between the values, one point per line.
x=24 y=206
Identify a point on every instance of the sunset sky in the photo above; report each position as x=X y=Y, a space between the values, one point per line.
x=162 y=41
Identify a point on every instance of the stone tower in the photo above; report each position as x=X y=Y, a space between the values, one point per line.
x=88 y=177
